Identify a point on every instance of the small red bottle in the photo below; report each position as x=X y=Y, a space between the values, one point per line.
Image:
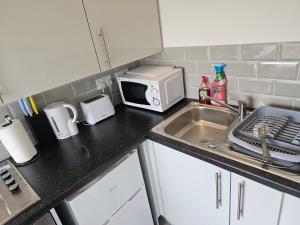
x=204 y=91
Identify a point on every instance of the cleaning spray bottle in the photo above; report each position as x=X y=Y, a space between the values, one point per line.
x=218 y=86
x=204 y=91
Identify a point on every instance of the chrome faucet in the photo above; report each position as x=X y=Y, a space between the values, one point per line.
x=262 y=133
x=242 y=107
x=261 y=130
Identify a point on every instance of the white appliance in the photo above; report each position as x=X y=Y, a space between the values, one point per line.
x=15 y=192
x=62 y=124
x=152 y=87
x=17 y=142
x=97 y=108
x=118 y=198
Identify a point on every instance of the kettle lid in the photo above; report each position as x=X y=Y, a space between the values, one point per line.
x=54 y=105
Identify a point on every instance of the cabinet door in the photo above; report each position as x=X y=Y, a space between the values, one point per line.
x=290 y=210
x=189 y=189
x=97 y=204
x=253 y=203
x=130 y=29
x=43 y=44
x=135 y=212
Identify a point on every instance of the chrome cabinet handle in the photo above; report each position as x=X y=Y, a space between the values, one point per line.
x=218 y=190
x=101 y=35
x=1 y=99
x=240 y=208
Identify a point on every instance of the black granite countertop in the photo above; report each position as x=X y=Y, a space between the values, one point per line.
x=68 y=165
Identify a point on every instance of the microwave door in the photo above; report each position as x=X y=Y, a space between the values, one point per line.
x=135 y=92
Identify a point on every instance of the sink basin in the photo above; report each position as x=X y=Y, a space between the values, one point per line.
x=207 y=127
x=198 y=124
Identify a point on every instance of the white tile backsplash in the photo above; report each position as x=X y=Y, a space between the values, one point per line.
x=73 y=93
x=264 y=73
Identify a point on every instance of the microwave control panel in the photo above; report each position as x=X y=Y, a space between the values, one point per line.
x=154 y=95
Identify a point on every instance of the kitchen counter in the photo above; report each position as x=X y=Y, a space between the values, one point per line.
x=69 y=165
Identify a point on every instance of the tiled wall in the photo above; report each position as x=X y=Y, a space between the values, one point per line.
x=261 y=74
x=72 y=93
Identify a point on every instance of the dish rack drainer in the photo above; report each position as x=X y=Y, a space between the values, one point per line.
x=283 y=138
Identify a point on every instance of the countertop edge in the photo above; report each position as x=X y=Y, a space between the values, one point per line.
x=85 y=181
x=271 y=180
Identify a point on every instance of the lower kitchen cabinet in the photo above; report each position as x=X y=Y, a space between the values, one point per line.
x=118 y=198
x=135 y=212
x=290 y=211
x=253 y=203
x=193 y=192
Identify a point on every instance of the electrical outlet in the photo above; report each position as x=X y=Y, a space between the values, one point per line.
x=100 y=84
x=120 y=73
x=103 y=82
x=109 y=81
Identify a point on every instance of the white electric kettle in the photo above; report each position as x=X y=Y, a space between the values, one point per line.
x=63 y=125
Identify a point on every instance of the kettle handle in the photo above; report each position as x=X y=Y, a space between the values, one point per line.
x=74 y=111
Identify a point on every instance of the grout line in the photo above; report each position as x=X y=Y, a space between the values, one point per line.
x=298 y=76
x=73 y=89
x=257 y=64
x=44 y=99
x=10 y=111
x=95 y=78
x=279 y=49
x=265 y=95
x=208 y=54
x=196 y=67
x=252 y=77
x=240 y=52
x=273 y=91
x=293 y=104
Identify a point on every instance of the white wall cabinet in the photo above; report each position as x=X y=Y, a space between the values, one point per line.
x=253 y=203
x=43 y=44
x=290 y=210
x=130 y=28
x=191 y=192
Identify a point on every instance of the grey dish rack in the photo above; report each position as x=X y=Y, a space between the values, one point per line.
x=283 y=138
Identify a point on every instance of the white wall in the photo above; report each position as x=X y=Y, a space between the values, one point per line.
x=214 y=22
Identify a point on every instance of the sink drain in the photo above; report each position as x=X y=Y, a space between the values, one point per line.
x=212 y=146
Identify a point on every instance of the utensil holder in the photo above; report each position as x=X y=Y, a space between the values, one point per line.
x=42 y=130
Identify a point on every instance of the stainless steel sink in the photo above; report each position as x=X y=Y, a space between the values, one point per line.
x=206 y=127
x=199 y=123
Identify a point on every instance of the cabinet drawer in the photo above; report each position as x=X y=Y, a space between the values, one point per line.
x=99 y=202
x=135 y=212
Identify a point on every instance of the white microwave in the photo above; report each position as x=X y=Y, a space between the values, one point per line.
x=152 y=87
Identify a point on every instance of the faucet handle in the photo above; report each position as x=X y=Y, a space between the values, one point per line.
x=242 y=109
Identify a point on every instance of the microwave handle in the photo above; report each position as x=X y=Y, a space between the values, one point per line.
x=148 y=96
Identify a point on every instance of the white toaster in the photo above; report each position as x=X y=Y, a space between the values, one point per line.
x=97 y=108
